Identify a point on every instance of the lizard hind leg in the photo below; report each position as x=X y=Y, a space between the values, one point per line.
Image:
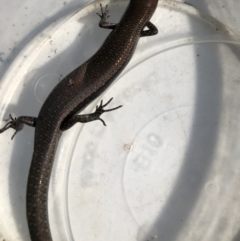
x=88 y=117
x=18 y=123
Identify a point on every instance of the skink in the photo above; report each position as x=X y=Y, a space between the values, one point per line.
x=71 y=96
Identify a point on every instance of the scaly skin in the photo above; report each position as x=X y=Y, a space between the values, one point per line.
x=73 y=94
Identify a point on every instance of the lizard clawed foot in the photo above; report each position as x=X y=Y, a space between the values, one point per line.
x=100 y=110
x=104 y=12
x=15 y=124
x=88 y=117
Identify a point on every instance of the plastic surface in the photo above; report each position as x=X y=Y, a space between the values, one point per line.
x=166 y=167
